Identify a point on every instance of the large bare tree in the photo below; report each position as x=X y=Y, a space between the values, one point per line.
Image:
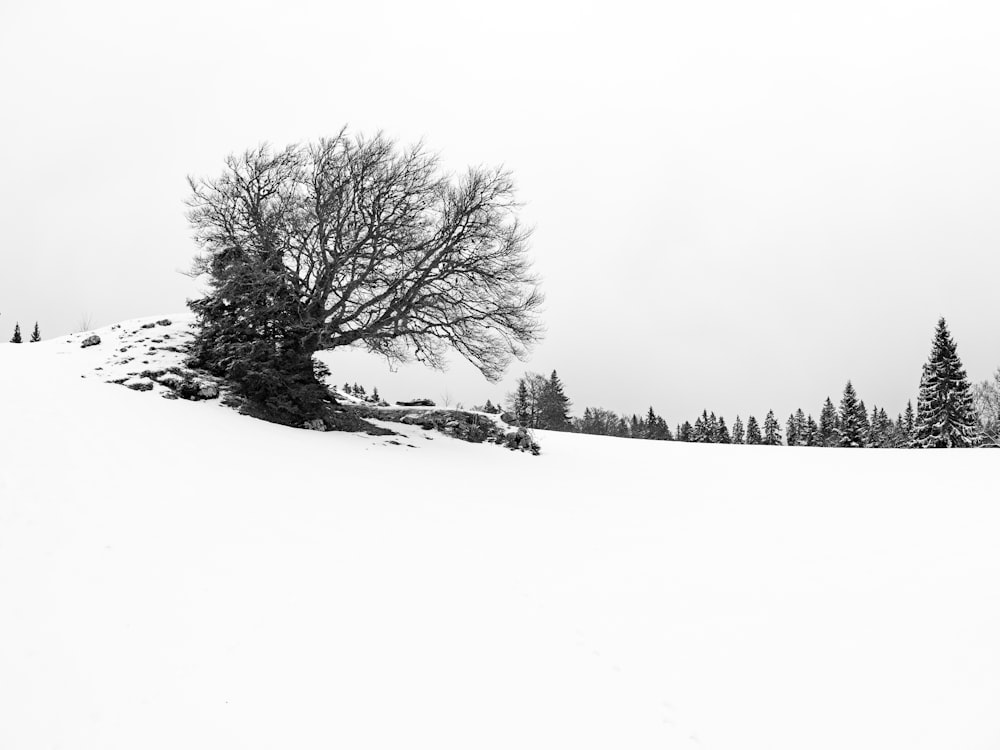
x=357 y=241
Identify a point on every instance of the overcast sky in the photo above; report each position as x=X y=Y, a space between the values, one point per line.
x=737 y=205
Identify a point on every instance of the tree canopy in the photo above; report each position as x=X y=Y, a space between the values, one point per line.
x=356 y=241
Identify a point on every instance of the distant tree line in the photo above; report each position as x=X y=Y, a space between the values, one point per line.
x=950 y=413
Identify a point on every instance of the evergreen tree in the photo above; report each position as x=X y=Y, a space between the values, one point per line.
x=753 y=431
x=723 y=431
x=738 y=435
x=16 y=338
x=946 y=416
x=829 y=425
x=662 y=430
x=873 y=436
x=700 y=432
x=712 y=428
x=850 y=430
x=35 y=335
x=554 y=406
x=792 y=430
x=909 y=422
x=812 y=431
x=897 y=435
x=520 y=404
x=879 y=436
x=800 y=426
x=772 y=430
x=864 y=423
x=685 y=432
x=649 y=425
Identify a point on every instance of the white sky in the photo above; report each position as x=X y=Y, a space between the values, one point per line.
x=736 y=205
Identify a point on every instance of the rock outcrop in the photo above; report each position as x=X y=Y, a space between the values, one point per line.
x=473 y=427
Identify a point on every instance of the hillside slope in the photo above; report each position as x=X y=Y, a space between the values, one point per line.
x=173 y=574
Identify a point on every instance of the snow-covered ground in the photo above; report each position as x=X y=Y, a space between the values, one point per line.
x=175 y=575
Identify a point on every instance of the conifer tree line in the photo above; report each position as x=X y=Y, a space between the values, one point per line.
x=949 y=413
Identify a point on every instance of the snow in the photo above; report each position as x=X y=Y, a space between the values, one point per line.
x=174 y=574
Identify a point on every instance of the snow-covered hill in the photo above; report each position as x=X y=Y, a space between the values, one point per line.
x=176 y=575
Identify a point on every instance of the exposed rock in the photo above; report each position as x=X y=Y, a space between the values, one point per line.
x=208 y=391
x=196 y=390
x=148 y=325
x=315 y=424
x=164 y=322
x=472 y=427
x=416 y=402
x=90 y=341
x=143 y=384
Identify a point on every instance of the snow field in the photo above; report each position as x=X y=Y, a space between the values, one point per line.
x=173 y=574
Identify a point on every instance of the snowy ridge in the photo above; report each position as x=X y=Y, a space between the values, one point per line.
x=148 y=354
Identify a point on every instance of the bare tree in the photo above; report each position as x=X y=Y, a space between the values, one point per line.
x=986 y=400
x=355 y=241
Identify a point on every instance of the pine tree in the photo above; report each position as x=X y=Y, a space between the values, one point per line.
x=811 y=431
x=873 y=437
x=35 y=335
x=829 y=426
x=898 y=437
x=753 y=431
x=553 y=407
x=864 y=423
x=792 y=430
x=881 y=430
x=800 y=426
x=685 y=432
x=850 y=431
x=738 y=434
x=16 y=338
x=723 y=431
x=521 y=406
x=649 y=425
x=946 y=417
x=700 y=432
x=772 y=430
x=909 y=422
x=712 y=428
